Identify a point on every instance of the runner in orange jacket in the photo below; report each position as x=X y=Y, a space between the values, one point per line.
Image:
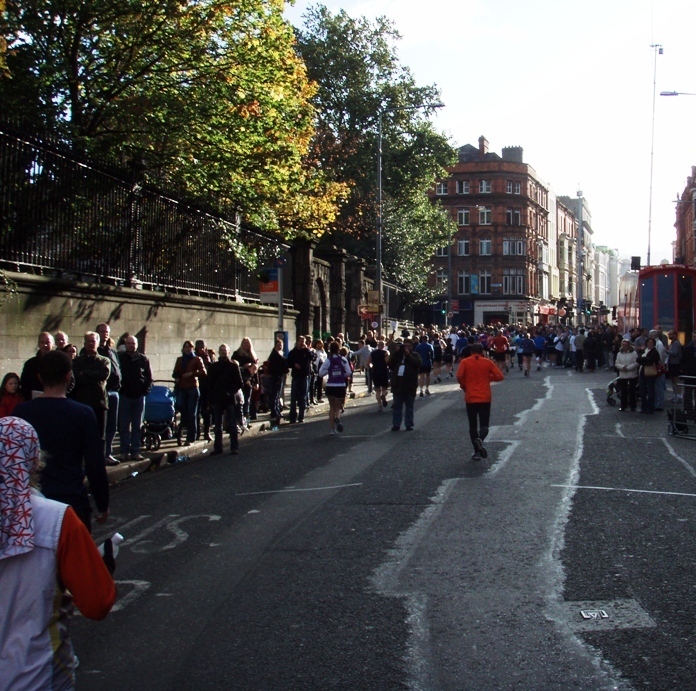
x=475 y=375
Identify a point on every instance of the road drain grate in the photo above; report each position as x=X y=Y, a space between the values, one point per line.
x=605 y=615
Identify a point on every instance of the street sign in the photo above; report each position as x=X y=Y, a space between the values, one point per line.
x=374 y=325
x=364 y=312
x=454 y=305
x=268 y=286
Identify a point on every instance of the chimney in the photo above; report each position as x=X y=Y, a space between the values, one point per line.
x=483 y=147
x=513 y=153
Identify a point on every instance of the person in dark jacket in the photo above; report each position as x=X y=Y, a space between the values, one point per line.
x=29 y=381
x=224 y=380
x=113 y=385
x=70 y=441
x=136 y=382
x=275 y=371
x=300 y=364
x=650 y=358
x=405 y=365
x=91 y=372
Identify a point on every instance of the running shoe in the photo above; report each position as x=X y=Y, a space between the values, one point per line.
x=480 y=448
x=339 y=424
x=333 y=433
x=526 y=373
x=422 y=394
x=427 y=392
x=475 y=457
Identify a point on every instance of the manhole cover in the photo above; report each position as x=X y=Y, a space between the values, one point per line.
x=604 y=615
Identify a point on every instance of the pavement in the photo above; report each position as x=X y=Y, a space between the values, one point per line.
x=170 y=452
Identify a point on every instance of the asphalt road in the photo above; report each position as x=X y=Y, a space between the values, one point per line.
x=381 y=560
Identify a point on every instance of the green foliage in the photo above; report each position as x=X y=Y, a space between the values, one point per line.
x=412 y=232
x=210 y=96
x=358 y=75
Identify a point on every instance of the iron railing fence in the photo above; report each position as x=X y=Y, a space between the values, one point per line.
x=64 y=216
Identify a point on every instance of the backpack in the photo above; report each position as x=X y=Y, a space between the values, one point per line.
x=337 y=374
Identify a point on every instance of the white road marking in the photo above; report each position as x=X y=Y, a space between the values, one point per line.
x=139 y=587
x=627 y=489
x=181 y=535
x=305 y=489
x=672 y=452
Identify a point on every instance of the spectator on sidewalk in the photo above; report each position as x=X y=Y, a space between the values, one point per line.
x=300 y=364
x=136 y=382
x=113 y=385
x=91 y=372
x=276 y=371
x=70 y=439
x=225 y=381
x=207 y=357
x=10 y=397
x=30 y=384
x=188 y=369
x=61 y=340
x=626 y=364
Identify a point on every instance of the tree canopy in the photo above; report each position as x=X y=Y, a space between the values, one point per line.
x=358 y=75
x=210 y=95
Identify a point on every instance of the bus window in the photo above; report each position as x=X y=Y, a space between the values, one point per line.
x=685 y=305
x=647 y=302
x=666 y=312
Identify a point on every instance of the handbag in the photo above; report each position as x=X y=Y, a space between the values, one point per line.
x=650 y=370
x=661 y=369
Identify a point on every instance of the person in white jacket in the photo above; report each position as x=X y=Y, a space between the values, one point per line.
x=627 y=366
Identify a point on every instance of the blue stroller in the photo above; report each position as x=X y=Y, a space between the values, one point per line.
x=159 y=420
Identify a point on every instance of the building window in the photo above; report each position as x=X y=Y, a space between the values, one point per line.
x=508 y=186
x=518 y=188
x=485 y=247
x=442 y=252
x=508 y=216
x=485 y=187
x=462 y=187
x=441 y=188
x=463 y=216
x=463 y=283
x=463 y=248
x=441 y=280
x=514 y=246
x=513 y=281
x=485 y=282
x=485 y=215
x=516 y=217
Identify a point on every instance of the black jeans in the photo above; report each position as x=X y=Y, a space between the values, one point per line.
x=479 y=415
x=627 y=392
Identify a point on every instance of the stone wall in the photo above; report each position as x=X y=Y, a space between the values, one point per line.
x=161 y=321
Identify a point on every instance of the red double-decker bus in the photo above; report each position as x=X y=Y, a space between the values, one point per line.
x=664 y=295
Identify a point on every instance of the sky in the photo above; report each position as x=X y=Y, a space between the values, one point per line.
x=571 y=83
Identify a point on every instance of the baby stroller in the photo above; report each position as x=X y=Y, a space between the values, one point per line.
x=159 y=418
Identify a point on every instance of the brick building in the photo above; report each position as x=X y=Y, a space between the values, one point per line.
x=685 y=247
x=496 y=266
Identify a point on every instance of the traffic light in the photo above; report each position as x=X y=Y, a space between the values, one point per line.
x=588 y=307
x=444 y=307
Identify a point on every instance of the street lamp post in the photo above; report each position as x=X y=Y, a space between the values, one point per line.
x=378 y=243
x=657 y=50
